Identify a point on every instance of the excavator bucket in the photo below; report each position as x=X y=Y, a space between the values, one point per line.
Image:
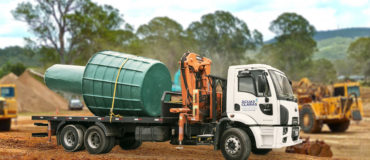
x=312 y=148
x=356 y=115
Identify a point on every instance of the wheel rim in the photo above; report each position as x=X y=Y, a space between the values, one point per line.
x=94 y=140
x=232 y=145
x=69 y=139
x=306 y=120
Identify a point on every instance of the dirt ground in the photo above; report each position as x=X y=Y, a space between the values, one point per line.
x=18 y=144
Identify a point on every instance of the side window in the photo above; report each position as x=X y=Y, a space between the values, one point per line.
x=255 y=75
x=248 y=84
x=339 y=91
x=245 y=84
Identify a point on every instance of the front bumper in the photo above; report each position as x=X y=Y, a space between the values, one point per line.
x=276 y=136
x=8 y=116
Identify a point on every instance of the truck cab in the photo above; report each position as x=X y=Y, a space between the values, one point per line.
x=261 y=97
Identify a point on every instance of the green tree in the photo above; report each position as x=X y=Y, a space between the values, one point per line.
x=346 y=67
x=367 y=70
x=17 y=68
x=164 y=39
x=292 y=52
x=71 y=28
x=359 y=51
x=323 y=71
x=224 y=38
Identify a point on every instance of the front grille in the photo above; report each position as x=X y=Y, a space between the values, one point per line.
x=295 y=121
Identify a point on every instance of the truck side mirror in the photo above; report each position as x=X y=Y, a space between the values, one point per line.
x=261 y=80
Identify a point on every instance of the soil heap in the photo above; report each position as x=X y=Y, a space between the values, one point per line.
x=34 y=96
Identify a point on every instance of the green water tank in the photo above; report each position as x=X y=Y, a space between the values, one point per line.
x=67 y=78
x=140 y=85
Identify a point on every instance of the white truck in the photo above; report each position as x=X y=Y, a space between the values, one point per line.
x=255 y=111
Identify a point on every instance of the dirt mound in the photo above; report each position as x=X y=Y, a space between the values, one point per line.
x=9 y=78
x=34 y=96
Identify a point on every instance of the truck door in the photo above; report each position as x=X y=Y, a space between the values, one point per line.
x=249 y=100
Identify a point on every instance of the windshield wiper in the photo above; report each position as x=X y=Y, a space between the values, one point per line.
x=288 y=98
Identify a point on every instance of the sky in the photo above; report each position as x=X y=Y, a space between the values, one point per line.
x=258 y=14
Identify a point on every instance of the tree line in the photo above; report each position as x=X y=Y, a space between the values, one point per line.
x=71 y=31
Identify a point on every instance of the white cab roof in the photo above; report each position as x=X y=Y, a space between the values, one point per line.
x=254 y=66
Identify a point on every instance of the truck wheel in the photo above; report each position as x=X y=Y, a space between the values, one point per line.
x=83 y=129
x=235 y=144
x=339 y=127
x=308 y=122
x=95 y=140
x=5 y=124
x=129 y=143
x=112 y=143
x=260 y=151
x=71 y=138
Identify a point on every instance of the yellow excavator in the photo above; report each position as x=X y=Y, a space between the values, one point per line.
x=335 y=107
x=8 y=106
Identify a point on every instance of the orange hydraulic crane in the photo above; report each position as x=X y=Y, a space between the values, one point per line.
x=200 y=102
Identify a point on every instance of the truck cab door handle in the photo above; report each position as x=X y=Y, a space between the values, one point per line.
x=236 y=107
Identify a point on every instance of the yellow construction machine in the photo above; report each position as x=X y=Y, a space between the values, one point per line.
x=8 y=106
x=334 y=106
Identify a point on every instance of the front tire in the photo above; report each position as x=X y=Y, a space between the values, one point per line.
x=71 y=138
x=308 y=122
x=95 y=140
x=235 y=144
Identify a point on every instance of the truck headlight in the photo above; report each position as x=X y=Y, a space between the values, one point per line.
x=295 y=121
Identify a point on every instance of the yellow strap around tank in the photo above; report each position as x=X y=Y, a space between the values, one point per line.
x=114 y=92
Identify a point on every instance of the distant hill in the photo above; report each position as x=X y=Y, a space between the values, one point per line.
x=333 y=44
x=346 y=33
x=333 y=48
x=17 y=54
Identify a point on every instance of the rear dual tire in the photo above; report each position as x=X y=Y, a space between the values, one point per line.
x=129 y=143
x=72 y=138
x=96 y=142
x=77 y=137
x=339 y=127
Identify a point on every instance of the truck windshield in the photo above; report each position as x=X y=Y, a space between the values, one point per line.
x=354 y=89
x=282 y=86
x=7 y=92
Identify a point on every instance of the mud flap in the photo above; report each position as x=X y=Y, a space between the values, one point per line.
x=356 y=115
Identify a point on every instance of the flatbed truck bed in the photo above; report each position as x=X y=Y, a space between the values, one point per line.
x=106 y=119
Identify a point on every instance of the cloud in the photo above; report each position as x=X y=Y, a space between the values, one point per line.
x=355 y=3
x=323 y=14
x=11 y=29
x=11 y=41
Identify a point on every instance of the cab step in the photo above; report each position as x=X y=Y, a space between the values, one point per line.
x=205 y=136
x=204 y=139
x=39 y=134
x=40 y=124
